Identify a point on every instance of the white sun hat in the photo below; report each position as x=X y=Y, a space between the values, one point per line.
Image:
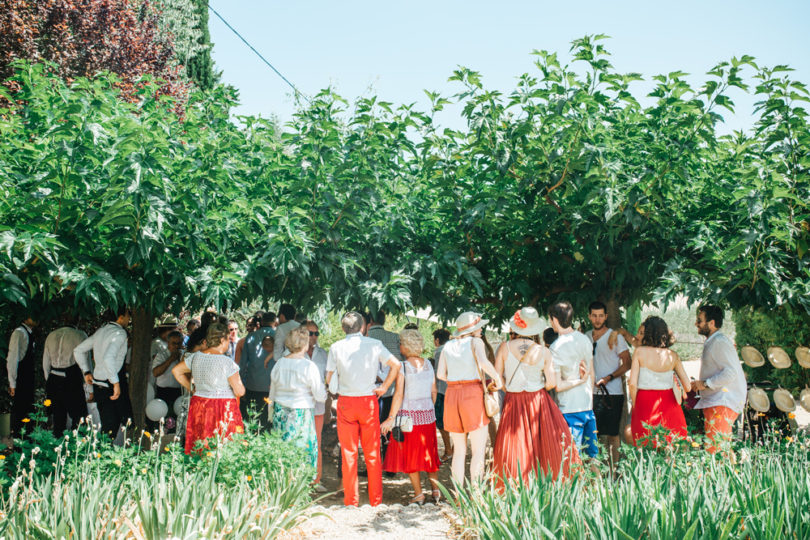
x=778 y=357
x=803 y=356
x=758 y=400
x=783 y=400
x=468 y=322
x=526 y=322
x=752 y=357
x=804 y=398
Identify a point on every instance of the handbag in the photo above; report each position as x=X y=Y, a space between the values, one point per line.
x=677 y=389
x=491 y=404
x=402 y=425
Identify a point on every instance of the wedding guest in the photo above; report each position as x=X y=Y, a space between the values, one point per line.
x=108 y=376
x=414 y=398
x=233 y=339
x=651 y=384
x=296 y=386
x=533 y=432
x=722 y=386
x=167 y=387
x=286 y=319
x=64 y=384
x=255 y=367
x=461 y=363
x=351 y=372
x=319 y=358
x=376 y=329
x=213 y=410
x=191 y=326
x=21 y=365
x=440 y=337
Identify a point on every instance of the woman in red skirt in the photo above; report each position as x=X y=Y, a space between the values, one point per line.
x=533 y=433
x=214 y=409
x=414 y=399
x=651 y=385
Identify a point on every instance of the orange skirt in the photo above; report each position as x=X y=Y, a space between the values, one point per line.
x=464 y=407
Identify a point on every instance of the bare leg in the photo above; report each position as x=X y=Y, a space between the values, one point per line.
x=459 y=456
x=318 y=430
x=416 y=482
x=478 y=441
x=448 y=446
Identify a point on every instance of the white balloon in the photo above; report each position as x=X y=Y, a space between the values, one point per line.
x=179 y=405
x=156 y=409
x=150 y=393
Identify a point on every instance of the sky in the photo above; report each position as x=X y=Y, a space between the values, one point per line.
x=395 y=50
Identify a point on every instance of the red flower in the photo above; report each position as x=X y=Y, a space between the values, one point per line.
x=520 y=323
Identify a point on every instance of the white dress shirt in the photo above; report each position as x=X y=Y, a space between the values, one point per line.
x=17 y=347
x=568 y=351
x=58 y=350
x=355 y=361
x=109 y=347
x=721 y=369
x=296 y=383
x=165 y=379
x=281 y=334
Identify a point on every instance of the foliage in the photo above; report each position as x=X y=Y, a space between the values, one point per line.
x=86 y=38
x=198 y=63
x=689 y=494
x=784 y=327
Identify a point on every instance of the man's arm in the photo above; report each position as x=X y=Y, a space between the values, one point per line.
x=393 y=370
x=81 y=353
x=724 y=355
x=114 y=358
x=46 y=358
x=16 y=348
x=162 y=362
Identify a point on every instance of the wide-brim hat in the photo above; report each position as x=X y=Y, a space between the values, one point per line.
x=778 y=358
x=783 y=400
x=803 y=356
x=804 y=398
x=752 y=357
x=758 y=400
x=468 y=322
x=526 y=322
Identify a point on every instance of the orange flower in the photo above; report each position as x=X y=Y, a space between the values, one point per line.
x=267 y=400
x=47 y=402
x=249 y=478
x=147 y=434
x=791 y=415
x=239 y=429
x=26 y=420
x=519 y=322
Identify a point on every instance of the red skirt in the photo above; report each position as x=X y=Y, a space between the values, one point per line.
x=208 y=417
x=419 y=452
x=533 y=433
x=657 y=408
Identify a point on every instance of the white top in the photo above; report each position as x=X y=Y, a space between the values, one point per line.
x=166 y=379
x=417 y=401
x=655 y=380
x=296 y=383
x=526 y=378
x=281 y=334
x=210 y=373
x=458 y=357
x=606 y=360
x=17 y=347
x=721 y=369
x=568 y=351
x=319 y=358
x=58 y=350
x=109 y=347
x=355 y=361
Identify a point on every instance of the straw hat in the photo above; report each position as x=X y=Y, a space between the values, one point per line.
x=752 y=357
x=168 y=322
x=778 y=357
x=783 y=400
x=468 y=322
x=804 y=398
x=526 y=322
x=803 y=356
x=758 y=400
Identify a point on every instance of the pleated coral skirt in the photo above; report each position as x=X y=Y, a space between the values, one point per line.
x=656 y=408
x=208 y=417
x=533 y=437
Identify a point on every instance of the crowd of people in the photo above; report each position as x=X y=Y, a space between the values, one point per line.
x=555 y=390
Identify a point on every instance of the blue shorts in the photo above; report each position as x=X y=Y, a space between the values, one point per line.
x=583 y=429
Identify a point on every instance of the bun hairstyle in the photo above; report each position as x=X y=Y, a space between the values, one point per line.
x=216 y=333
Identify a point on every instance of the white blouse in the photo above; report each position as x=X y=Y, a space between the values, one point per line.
x=520 y=377
x=458 y=357
x=417 y=401
x=296 y=383
x=210 y=373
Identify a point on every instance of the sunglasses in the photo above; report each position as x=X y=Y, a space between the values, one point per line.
x=314 y=333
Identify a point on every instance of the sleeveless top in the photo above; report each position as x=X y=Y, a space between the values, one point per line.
x=655 y=380
x=417 y=401
x=210 y=373
x=526 y=379
x=458 y=357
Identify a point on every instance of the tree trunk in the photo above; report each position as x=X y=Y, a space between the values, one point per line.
x=143 y=321
x=614 y=316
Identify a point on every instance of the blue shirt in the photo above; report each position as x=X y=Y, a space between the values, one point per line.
x=254 y=375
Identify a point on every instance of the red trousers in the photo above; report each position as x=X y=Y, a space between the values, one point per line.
x=358 y=419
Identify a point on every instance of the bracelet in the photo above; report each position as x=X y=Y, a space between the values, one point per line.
x=611 y=377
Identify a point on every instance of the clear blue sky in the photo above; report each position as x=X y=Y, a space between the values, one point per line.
x=397 y=49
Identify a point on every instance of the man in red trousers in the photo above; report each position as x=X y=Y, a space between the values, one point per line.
x=351 y=372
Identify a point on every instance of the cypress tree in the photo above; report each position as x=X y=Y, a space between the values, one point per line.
x=200 y=66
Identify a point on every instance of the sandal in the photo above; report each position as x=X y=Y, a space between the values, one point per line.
x=420 y=500
x=437 y=496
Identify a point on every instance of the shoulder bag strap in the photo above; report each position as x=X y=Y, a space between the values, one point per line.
x=477 y=366
x=522 y=358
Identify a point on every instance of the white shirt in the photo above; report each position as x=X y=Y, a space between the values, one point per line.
x=459 y=360
x=281 y=334
x=721 y=369
x=58 y=350
x=355 y=361
x=17 y=347
x=568 y=351
x=109 y=347
x=165 y=379
x=210 y=373
x=319 y=358
x=606 y=360
x=296 y=383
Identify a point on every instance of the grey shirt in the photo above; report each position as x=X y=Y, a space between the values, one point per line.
x=254 y=375
x=390 y=341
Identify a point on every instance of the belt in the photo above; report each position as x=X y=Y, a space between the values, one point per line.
x=459 y=383
x=59 y=372
x=101 y=384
